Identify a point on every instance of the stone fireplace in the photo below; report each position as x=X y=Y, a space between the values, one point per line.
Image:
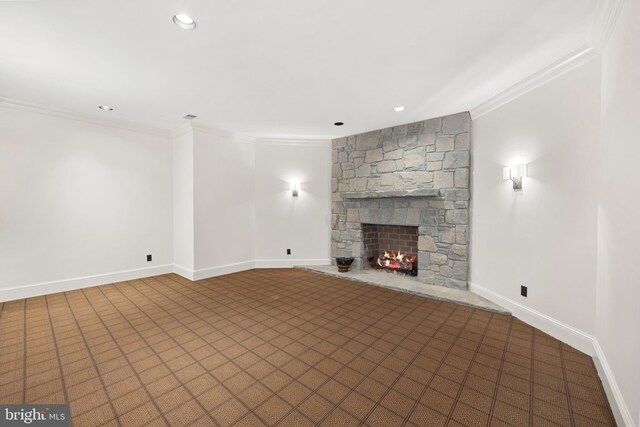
x=413 y=175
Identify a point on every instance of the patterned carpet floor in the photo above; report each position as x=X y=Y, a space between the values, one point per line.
x=287 y=347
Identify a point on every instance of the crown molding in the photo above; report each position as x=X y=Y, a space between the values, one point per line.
x=181 y=130
x=604 y=22
x=83 y=118
x=551 y=72
x=121 y=124
x=294 y=142
x=221 y=133
x=194 y=127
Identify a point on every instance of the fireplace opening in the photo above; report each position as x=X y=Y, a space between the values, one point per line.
x=392 y=248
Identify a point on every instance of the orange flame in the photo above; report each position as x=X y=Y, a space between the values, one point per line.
x=396 y=261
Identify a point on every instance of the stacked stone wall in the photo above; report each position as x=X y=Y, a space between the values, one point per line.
x=429 y=155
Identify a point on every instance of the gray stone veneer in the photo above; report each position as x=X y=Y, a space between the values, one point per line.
x=383 y=177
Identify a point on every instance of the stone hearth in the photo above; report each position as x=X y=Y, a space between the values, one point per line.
x=407 y=284
x=411 y=175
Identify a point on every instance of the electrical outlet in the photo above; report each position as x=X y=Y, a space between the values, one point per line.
x=523 y=290
x=288 y=251
x=149 y=257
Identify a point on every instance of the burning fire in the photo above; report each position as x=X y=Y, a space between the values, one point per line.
x=396 y=261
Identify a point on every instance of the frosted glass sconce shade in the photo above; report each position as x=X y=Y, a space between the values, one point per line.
x=515 y=174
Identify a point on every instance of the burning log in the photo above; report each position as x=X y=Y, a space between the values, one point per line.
x=396 y=261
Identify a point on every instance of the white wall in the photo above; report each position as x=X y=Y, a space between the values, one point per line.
x=84 y=203
x=183 y=200
x=618 y=288
x=233 y=208
x=224 y=202
x=79 y=200
x=571 y=234
x=543 y=237
x=283 y=222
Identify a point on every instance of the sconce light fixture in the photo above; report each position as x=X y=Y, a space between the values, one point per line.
x=294 y=189
x=515 y=174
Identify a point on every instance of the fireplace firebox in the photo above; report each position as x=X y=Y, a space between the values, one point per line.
x=392 y=248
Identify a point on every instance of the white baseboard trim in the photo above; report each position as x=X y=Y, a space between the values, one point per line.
x=185 y=272
x=205 y=273
x=574 y=337
x=618 y=405
x=289 y=263
x=557 y=329
x=45 y=288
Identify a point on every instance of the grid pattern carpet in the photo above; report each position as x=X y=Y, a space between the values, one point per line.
x=287 y=347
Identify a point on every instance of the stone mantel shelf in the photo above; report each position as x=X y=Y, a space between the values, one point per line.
x=383 y=194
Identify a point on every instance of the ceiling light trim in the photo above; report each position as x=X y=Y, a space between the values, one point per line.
x=182 y=24
x=537 y=79
x=89 y=119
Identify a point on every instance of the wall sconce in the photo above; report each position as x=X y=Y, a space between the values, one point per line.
x=515 y=174
x=294 y=189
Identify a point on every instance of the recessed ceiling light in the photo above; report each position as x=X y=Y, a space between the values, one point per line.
x=105 y=108
x=338 y=124
x=185 y=22
x=398 y=108
x=189 y=116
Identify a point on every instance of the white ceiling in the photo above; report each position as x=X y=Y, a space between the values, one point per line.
x=280 y=67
